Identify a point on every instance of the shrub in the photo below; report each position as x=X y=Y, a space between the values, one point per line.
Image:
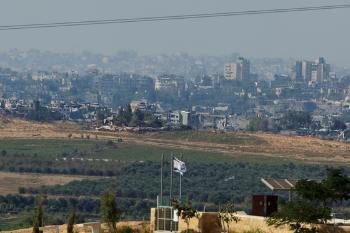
x=3 y=152
x=109 y=143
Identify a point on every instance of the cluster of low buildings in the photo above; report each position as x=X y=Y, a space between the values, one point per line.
x=225 y=101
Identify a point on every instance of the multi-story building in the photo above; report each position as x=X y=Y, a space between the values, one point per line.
x=230 y=71
x=245 y=68
x=298 y=70
x=170 y=83
x=139 y=104
x=240 y=70
x=320 y=70
x=317 y=71
x=306 y=70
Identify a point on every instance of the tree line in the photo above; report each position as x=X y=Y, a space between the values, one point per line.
x=203 y=183
x=50 y=211
x=109 y=212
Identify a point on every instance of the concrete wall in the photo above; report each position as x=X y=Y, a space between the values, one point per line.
x=208 y=223
x=153 y=219
x=248 y=222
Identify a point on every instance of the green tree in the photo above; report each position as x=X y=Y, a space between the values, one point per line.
x=151 y=120
x=313 y=202
x=337 y=185
x=2 y=105
x=226 y=216
x=125 y=115
x=137 y=118
x=110 y=212
x=39 y=215
x=300 y=214
x=101 y=114
x=3 y=152
x=296 y=119
x=185 y=211
x=338 y=124
x=71 y=221
x=258 y=124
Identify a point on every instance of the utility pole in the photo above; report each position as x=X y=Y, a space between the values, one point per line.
x=180 y=187
x=161 y=179
x=180 y=191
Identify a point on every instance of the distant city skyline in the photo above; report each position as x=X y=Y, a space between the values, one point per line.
x=297 y=35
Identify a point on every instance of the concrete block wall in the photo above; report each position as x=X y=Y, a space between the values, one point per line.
x=208 y=223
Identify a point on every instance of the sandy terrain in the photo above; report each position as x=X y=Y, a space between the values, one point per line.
x=17 y=128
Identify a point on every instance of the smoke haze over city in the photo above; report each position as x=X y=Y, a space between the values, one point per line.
x=297 y=34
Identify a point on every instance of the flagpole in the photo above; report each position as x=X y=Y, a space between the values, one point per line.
x=171 y=191
x=180 y=187
x=180 y=180
x=171 y=177
x=161 y=179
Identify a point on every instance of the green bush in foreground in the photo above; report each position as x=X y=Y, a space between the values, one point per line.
x=109 y=211
x=313 y=202
x=39 y=216
x=71 y=221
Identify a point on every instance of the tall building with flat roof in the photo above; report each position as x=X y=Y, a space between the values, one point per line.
x=320 y=70
x=232 y=71
x=306 y=70
x=298 y=70
x=317 y=71
x=240 y=70
x=245 y=68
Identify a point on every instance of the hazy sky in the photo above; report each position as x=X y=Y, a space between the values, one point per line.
x=299 y=35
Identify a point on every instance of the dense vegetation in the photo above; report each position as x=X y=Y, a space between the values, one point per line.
x=40 y=113
x=57 y=209
x=126 y=117
x=133 y=172
x=204 y=182
x=313 y=202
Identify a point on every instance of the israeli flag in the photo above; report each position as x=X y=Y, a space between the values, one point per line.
x=179 y=166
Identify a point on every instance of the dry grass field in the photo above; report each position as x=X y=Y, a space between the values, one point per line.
x=305 y=149
x=17 y=128
x=10 y=182
x=141 y=226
